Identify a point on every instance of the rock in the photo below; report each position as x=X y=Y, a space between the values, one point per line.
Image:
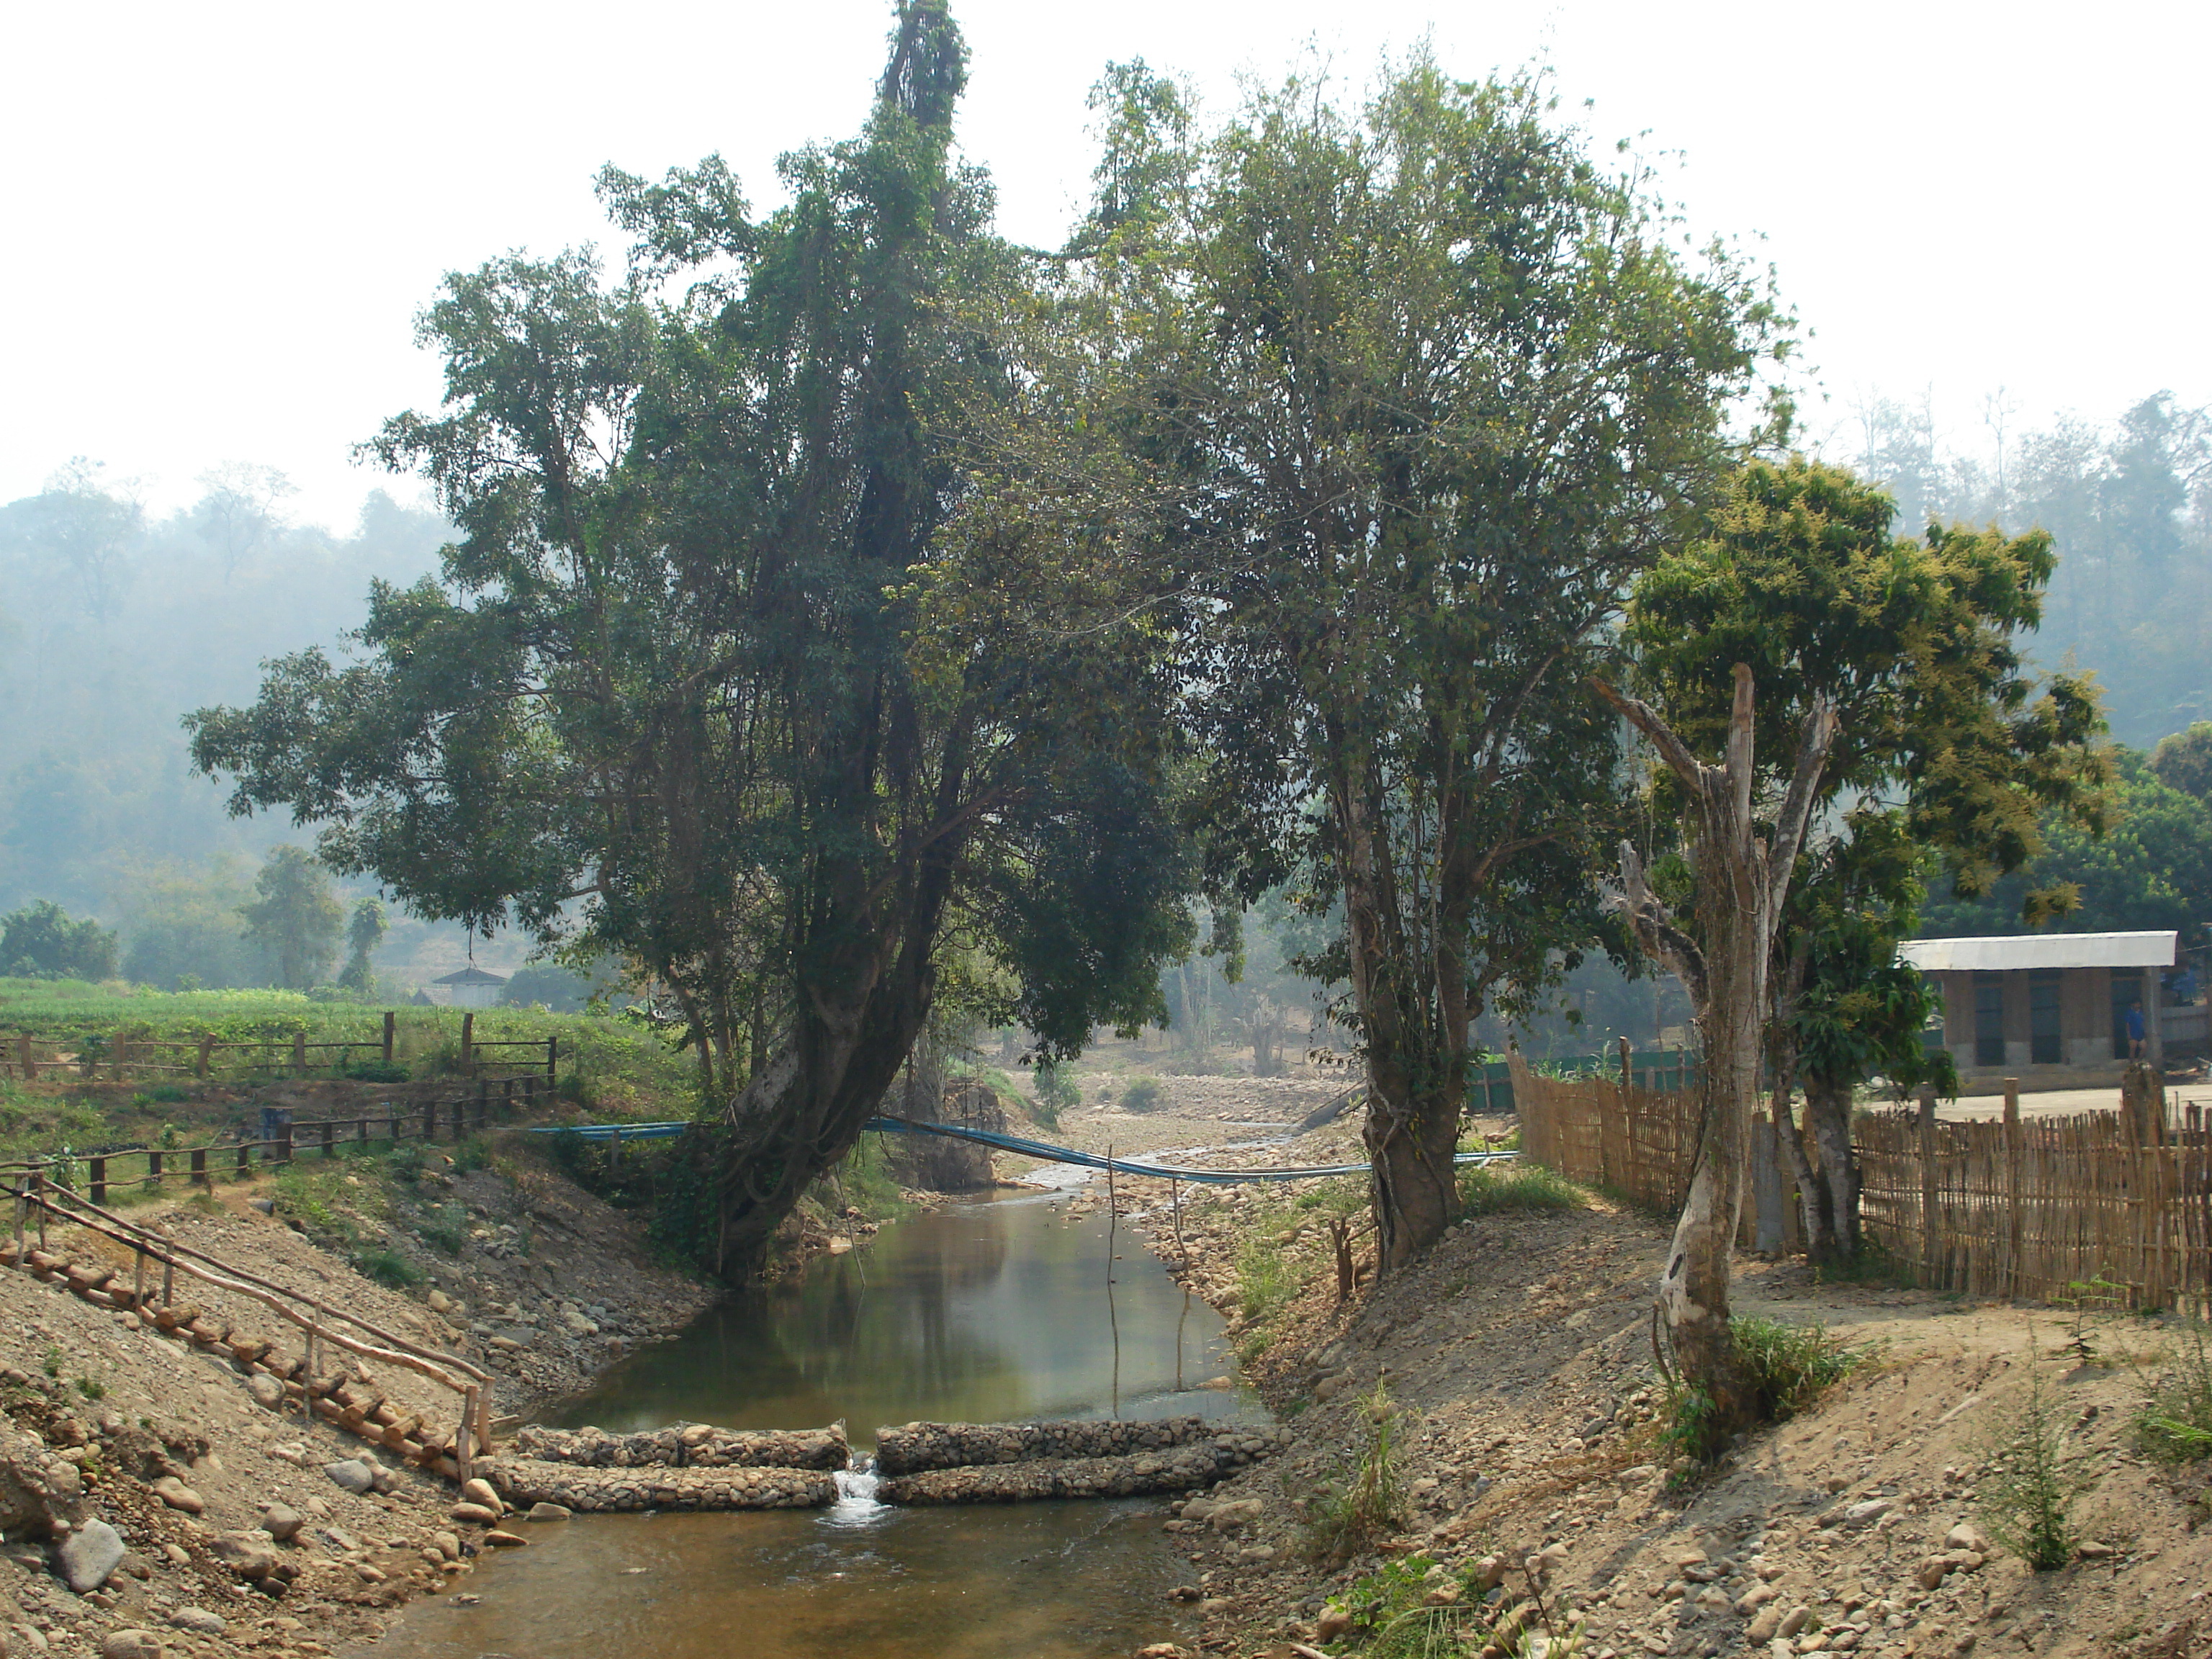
x=1198 y=1509
x=353 y=1473
x=1762 y=1628
x=1215 y=1604
x=548 y=1512
x=1489 y=1572
x=266 y=1205
x=131 y=1644
x=282 y=1522
x=1866 y=1513
x=1965 y=1537
x=839 y=1244
x=447 y=1545
x=89 y=1554
x=1237 y=1512
x=39 y=1493
x=1792 y=1622
x=2092 y=1549
x=1328 y=1389
x=177 y=1555
x=367 y=1574
x=179 y=1495
x=248 y=1555
x=1332 y=1625
x=1753 y=1599
x=199 y=1621
x=481 y=1491
x=500 y=1538
x=437 y=1302
x=1445 y=1594
x=266 y=1390
x=1712 y=1597
x=474 y=1515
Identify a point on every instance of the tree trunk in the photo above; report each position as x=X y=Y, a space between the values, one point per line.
x=1741 y=879
x=1836 y=1172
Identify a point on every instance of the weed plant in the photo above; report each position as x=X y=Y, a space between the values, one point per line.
x=1141 y=1094
x=387 y=1267
x=1373 y=1504
x=1787 y=1368
x=2029 y=1488
x=1263 y=1278
x=1494 y=1188
x=1415 y=1607
x=2174 y=1422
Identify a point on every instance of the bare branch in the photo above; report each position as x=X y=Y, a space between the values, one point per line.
x=1654 y=929
x=1645 y=719
x=1797 y=804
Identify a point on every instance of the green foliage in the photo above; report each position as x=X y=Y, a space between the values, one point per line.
x=1790 y=1366
x=471 y=1155
x=1053 y=1092
x=295 y=916
x=1140 y=1094
x=1373 y=1502
x=91 y=1388
x=1398 y=1613
x=1264 y=1282
x=2029 y=1487
x=364 y=932
x=443 y=1227
x=2183 y=760
x=2174 y=1422
x=387 y=1267
x=40 y=941
x=1491 y=1188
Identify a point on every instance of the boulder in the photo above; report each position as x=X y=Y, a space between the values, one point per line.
x=548 y=1512
x=199 y=1621
x=1237 y=1512
x=266 y=1390
x=131 y=1644
x=353 y=1473
x=90 y=1555
x=179 y=1495
x=481 y=1491
x=474 y=1515
x=282 y=1522
x=500 y=1538
x=251 y=1555
x=39 y=1493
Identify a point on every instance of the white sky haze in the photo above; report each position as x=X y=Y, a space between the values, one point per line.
x=218 y=222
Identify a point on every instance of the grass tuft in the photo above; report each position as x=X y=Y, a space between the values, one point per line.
x=2174 y=1422
x=1493 y=1188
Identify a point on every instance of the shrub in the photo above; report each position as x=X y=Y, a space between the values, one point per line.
x=1263 y=1280
x=443 y=1228
x=374 y=1070
x=2174 y=1422
x=1056 y=1092
x=1787 y=1368
x=387 y=1267
x=1142 y=1094
x=2028 y=1491
x=1373 y=1504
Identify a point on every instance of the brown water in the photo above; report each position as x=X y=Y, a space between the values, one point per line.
x=990 y=1311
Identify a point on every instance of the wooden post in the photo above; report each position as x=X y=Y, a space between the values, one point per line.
x=245 y=1159
x=469 y=1043
x=23 y=1052
x=154 y=1169
x=2016 y=1223
x=1113 y=1213
x=299 y=1054
x=1175 y=1210
x=462 y=1449
x=137 y=1278
x=168 y=1273
x=389 y=1021
x=199 y=1175
x=207 y=1055
x=1929 y=1198
x=23 y=1218
x=1627 y=1074
x=284 y=1140
x=429 y=1121
x=552 y=1059
x=307 y=1371
x=100 y=1180
x=330 y=1133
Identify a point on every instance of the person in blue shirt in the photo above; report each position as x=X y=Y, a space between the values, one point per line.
x=2135 y=1030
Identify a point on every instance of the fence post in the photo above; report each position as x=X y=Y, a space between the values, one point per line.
x=199 y=1175
x=469 y=1043
x=206 y=1055
x=299 y=1054
x=100 y=1180
x=137 y=1278
x=2015 y=1227
x=553 y=1060
x=429 y=1121
x=154 y=1169
x=245 y=1160
x=389 y=1020
x=330 y=1134
x=1930 y=1198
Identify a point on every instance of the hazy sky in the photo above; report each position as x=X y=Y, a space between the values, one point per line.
x=219 y=221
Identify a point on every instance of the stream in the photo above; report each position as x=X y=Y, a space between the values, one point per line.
x=995 y=1310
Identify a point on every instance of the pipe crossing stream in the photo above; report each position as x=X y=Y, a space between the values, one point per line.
x=997 y=1310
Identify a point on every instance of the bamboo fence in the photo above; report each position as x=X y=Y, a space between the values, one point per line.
x=2112 y=1205
x=116 y=1056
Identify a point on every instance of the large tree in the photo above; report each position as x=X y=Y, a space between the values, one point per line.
x=295 y=916
x=1425 y=386
x=1948 y=755
x=708 y=683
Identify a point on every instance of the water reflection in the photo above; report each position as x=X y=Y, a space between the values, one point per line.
x=990 y=1311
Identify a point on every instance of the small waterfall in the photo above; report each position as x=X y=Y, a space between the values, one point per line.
x=856 y=1504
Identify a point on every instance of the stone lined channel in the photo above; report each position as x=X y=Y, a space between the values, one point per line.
x=996 y=1311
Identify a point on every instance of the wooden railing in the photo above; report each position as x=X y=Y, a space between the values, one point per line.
x=28 y=1056
x=456 y=1117
x=39 y=1199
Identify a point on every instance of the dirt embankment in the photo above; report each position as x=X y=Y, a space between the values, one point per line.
x=176 y=1452
x=1517 y=1360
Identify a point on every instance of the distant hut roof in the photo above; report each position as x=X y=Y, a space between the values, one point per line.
x=470 y=974
x=2013 y=951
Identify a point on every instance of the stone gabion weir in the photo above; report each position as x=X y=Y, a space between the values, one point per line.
x=697 y=1466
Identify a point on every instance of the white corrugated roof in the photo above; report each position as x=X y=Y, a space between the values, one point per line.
x=473 y=974
x=2005 y=952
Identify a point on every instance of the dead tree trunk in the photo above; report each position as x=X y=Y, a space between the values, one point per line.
x=1741 y=879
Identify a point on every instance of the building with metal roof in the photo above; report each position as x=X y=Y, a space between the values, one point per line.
x=2055 y=1010
x=471 y=987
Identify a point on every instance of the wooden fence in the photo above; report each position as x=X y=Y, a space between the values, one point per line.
x=2040 y=1208
x=116 y=1057
x=150 y=1167
x=2034 y=1209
